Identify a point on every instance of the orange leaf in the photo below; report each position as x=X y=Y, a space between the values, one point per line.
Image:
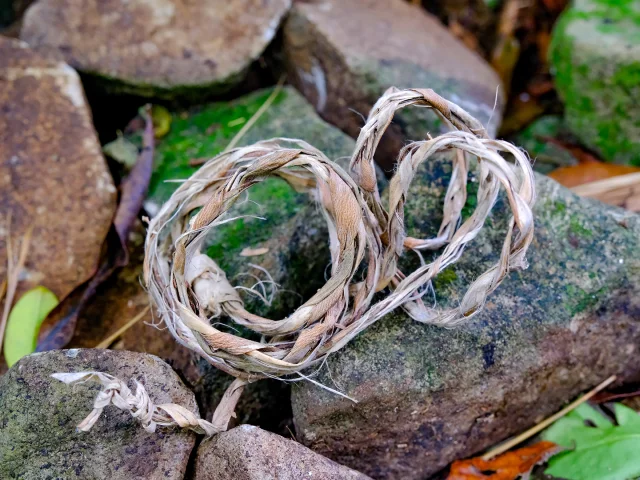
x=507 y=466
x=589 y=172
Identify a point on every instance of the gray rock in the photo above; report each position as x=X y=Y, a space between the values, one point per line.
x=38 y=418
x=595 y=58
x=343 y=54
x=60 y=187
x=428 y=395
x=168 y=49
x=249 y=453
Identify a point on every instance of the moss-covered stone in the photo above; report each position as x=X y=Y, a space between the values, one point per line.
x=202 y=133
x=595 y=55
x=206 y=131
x=427 y=395
x=536 y=140
x=38 y=418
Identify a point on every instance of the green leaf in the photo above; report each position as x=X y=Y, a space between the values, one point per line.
x=603 y=452
x=24 y=323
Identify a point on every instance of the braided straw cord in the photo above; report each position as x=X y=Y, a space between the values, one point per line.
x=189 y=288
x=139 y=405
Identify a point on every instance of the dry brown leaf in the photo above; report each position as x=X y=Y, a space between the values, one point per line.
x=60 y=326
x=253 y=252
x=508 y=466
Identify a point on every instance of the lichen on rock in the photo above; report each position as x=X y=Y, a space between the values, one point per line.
x=38 y=418
x=428 y=395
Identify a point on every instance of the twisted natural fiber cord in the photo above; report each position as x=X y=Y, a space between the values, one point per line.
x=189 y=288
x=138 y=404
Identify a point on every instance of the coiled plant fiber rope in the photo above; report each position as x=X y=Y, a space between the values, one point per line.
x=189 y=288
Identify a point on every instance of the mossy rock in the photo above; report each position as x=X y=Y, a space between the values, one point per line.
x=38 y=418
x=595 y=58
x=428 y=395
x=206 y=131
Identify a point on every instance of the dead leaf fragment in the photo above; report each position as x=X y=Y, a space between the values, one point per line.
x=253 y=252
x=508 y=466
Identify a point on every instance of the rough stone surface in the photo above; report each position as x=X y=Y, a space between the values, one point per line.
x=38 y=415
x=429 y=395
x=249 y=453
x=52 y=172
x=343 y=54
x=164 y=48
x=202 y=133
x=595 y=55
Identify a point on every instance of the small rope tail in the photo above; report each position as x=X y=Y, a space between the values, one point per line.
x=139 y=405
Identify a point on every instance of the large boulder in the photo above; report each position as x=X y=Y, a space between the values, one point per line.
x=170 y=48
x=38 y=418
x=249 y=453
x=53 y=176
x=201 y=133
x=428 y=395
x=343 y=54
x=595 y=55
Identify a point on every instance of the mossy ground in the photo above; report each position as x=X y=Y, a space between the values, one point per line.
x=268 y=206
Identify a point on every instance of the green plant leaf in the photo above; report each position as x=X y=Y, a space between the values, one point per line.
x=24 y=323
x=601 y=452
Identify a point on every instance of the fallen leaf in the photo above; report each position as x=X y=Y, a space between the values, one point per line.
x=61 y=324
x=508 y=466
x=24 y=323
x=253 y=252
x=601 y=450
x=122 y=150
x=161 y=120
x=588 y=172
x=506 y=52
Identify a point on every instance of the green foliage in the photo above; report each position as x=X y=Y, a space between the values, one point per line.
x=600 y=449
x=24 y=323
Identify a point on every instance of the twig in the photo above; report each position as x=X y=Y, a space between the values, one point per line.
x=601 y=188
x=118 y=333
x=254 y=118
x=196 y=162
x=3 y=289
x=10 y=284
x=134 y=188
x=508 y=445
